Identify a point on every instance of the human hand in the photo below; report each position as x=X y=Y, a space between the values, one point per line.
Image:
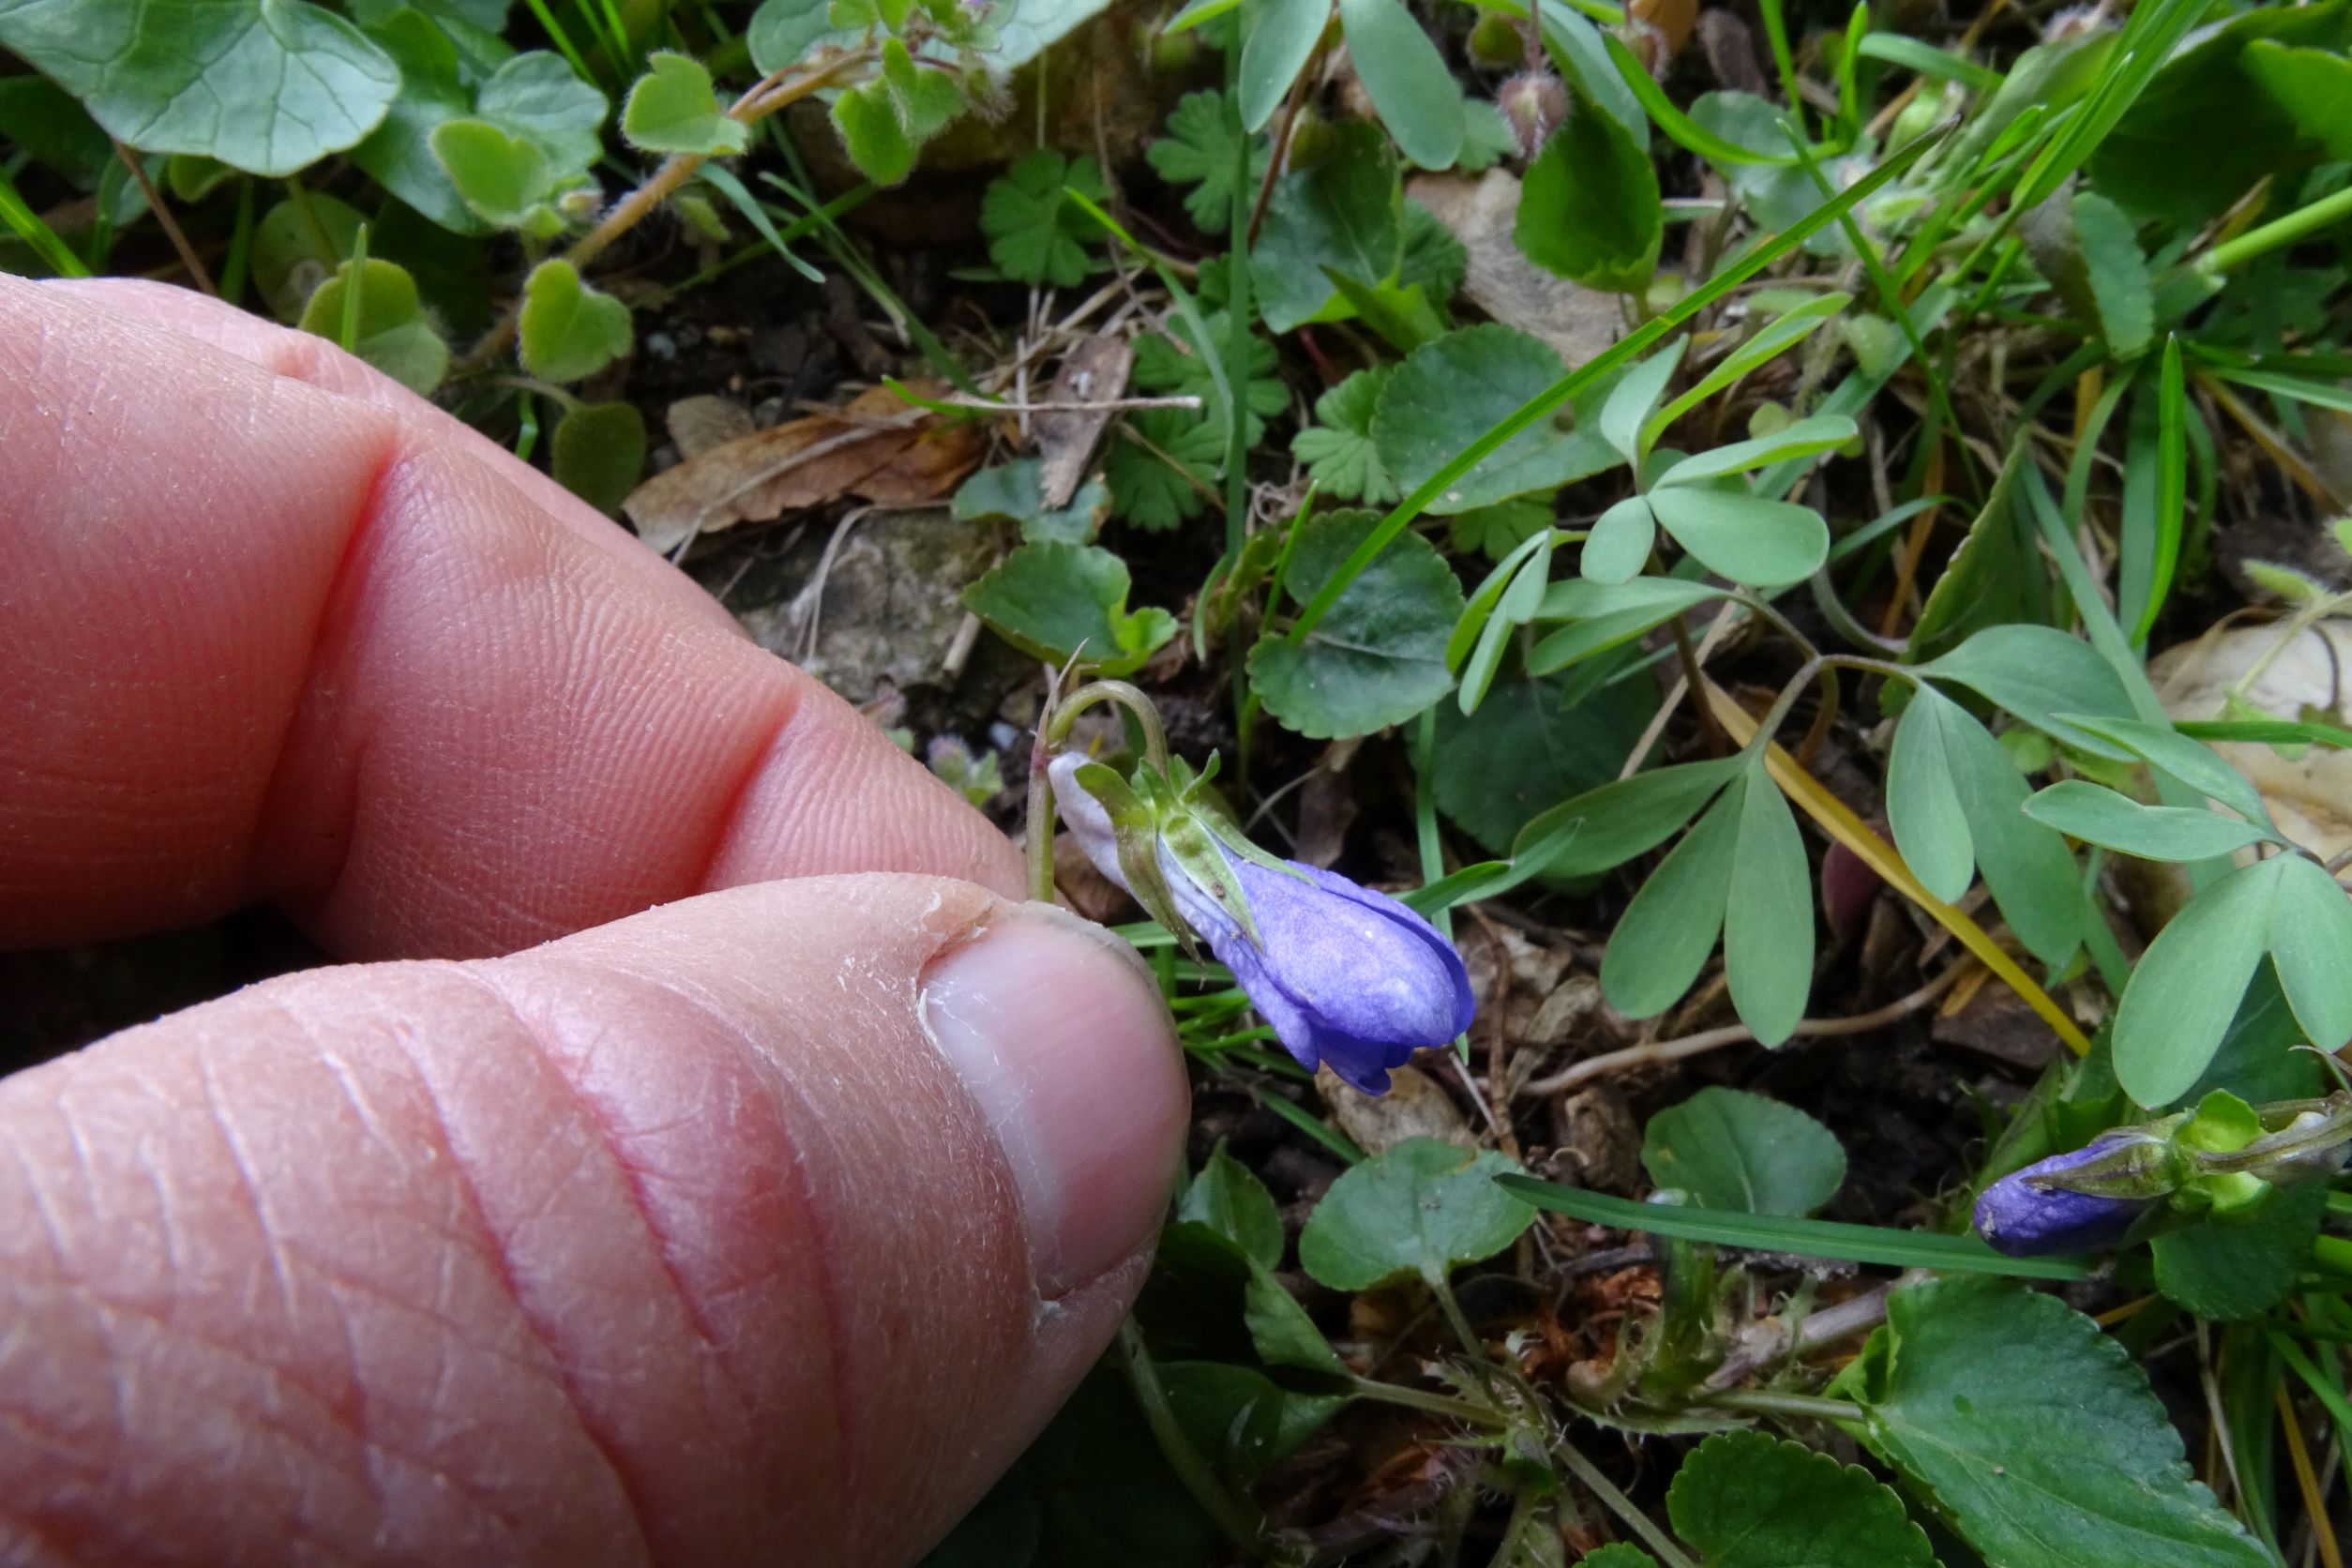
x=765 y=1225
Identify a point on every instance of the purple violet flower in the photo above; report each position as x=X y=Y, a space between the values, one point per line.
x=1346 y=976
x=2024 y=1216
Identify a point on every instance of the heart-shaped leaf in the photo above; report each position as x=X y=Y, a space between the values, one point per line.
x=569 y=331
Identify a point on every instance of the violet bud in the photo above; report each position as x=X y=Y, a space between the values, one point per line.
x=1346 y=976
x=2028 y=1212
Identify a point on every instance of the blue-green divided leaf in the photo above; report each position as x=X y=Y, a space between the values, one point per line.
x=268 y=86
x=1730 y=1149
x=2038 y=673
x=1619 y=544
x=2026 y=865
x=1768 y=927
x=2245 y=1267
x=1278 y=35
x=1450 y=392
x=1056 y=601
x=1760 y=543
x=2192 y=762
x=1923 y=803
x=1589 y=206
x=2184 y=990
x=1407 y=79
x=1630 y=403
x=394 y=334
x=1603 y=615
x=674 y=109
x=1378 y=657
x=1746 y=1500
x=1229 y=1199
x=1822 y=432
x=1609 y=825
x=2311 y=945
x=568 y=331
x=1413 y=1212
x=2035 y=1435
x=1662 y=940
x=2098 y=815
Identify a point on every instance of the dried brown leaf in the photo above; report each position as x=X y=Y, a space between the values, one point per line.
x=1095 y=371
x=1501 y=280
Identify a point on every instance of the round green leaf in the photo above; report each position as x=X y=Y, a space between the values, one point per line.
x=1452 y=390
x=599 y=453
x=1730 y=1149
x=569 y=330
x=393 y=334
x=1531 y=743
x=1407 y=79
x=268 y=86
x=1378 y=657
x=1415 y=1210
x=674 y=109
x=1589 y=206
x=501 y=175
x=782 y=32
x=1761 y=544
x=1749 y=1501
x=1619 y=543
x=1060 y=601
x=2245 y=1267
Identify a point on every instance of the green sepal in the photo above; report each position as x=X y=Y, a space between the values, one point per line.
x=1133 y=823
x=2145 y=1165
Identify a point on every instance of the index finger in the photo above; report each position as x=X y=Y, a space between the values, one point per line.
x=259 y=639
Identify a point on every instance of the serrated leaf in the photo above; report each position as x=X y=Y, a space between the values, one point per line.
x=1337 y=449
x=1037 y=233
x=394 y=334
x=2244 y=1267
x=1495 y=531
x=1415 y=1210
x=268 y=86
x=1448 y=393
x=1749 y=1501
x=569 y=331
x=1199 y=151
x=1345 y=213
x=1157 y=488
x=1663 y=939
x=2035 y=1434
x=1618 y=1554
x=1057 y=601
x=1768 y=925
x=1407 y=79
x=1729 y=1149
x=1172 y=362
x=1434 y=258
x=1758 y=543
x=674 y=109
x=599 y=453
x=1378 y=657
x=1589 y=206
x=2098 y=815
x=2115 y=272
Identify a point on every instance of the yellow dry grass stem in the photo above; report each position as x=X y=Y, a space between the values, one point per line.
x=2307 y=1482
x=1873 y=851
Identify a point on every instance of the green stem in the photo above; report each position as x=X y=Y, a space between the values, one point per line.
x=2279 y=232
x=1793 y=1407
x=1057 y=727
x=1472 y=1345
x=1435 y=1404
x=1232 y=1514
x=1661 y=1545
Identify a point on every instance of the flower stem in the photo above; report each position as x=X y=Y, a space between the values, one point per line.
x=1471 y=1345
x=1435 y=1404
x=1571 y=1459
x=1232 y=1514
x=1792 y=1406
x=1057 y=729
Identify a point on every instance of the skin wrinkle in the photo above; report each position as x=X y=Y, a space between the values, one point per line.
x=502 y=1263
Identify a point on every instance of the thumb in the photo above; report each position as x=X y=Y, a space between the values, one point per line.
x=767 y=1226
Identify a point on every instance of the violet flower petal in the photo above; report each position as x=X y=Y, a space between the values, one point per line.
x=2024 y=1220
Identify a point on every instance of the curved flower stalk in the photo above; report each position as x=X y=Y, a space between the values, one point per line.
x=2220 y=1159
x=1348 y=978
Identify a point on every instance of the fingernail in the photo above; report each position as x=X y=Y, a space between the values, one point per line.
x=1059 y=1033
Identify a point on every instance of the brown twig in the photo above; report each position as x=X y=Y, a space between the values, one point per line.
x=172 y=230
x=1655 y=1051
